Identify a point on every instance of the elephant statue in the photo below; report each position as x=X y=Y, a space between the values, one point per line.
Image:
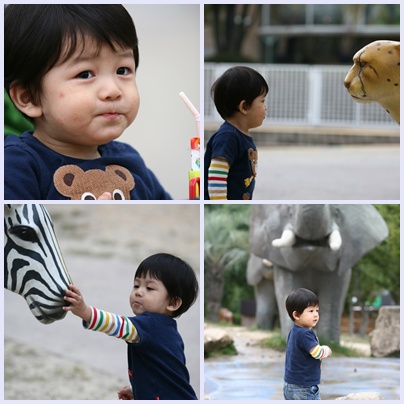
x=311 y=246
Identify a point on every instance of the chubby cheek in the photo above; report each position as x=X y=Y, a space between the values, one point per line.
x=134 y=103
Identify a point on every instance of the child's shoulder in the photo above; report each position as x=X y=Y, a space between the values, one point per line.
x=12 y=139
x=301 y=331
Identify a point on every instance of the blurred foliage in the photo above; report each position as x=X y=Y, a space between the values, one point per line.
x=380 y=269
x=226 y=252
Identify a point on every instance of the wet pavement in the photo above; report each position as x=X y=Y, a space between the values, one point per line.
x=254 y=378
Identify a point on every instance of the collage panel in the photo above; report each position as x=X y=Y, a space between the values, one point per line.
x=105 y=116
x=302 y=102
x=302 y=301
x=140 y=262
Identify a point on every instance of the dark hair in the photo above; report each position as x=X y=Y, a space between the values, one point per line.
x=299 y=300
x=177 y=276
x=37 y=36
x=235 y=85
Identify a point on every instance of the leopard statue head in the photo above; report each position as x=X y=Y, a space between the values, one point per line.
x=375 y=76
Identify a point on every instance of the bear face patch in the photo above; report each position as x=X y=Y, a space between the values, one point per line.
x=71 y=181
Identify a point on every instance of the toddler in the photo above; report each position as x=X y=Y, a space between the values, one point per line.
x=231 y=155
x=303 y=350
x=71 y=70
x=164 y=288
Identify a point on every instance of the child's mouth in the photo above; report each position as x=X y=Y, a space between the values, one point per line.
x=111 y=115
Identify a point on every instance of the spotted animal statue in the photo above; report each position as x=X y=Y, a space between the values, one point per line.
x=33 y=264
x=375 y=76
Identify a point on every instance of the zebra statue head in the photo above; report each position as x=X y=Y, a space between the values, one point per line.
x=33 y=264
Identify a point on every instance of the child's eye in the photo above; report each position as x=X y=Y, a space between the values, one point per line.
x=85 y=75
x=150 y=288
x=123 y=71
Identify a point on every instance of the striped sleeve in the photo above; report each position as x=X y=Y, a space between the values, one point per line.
x=217 y=178
x=320 y=352
x=111 y=324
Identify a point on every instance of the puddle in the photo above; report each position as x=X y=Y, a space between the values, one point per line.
x=242 y=378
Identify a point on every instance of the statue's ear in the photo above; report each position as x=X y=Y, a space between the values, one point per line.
x=362 y=228
x=266 y=224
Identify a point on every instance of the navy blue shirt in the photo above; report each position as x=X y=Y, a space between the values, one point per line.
x=32 y=171
x=241 y=153
x=157 y=368
x=300 y=367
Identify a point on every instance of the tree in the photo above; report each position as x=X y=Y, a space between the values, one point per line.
x=225 y=245
x=230 y=24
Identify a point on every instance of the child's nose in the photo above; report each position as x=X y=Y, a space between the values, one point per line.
x=110 y=90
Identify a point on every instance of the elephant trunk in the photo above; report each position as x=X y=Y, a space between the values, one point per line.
x=312 y=222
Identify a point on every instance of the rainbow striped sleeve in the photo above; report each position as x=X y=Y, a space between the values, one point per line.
x=111 y=324
x=217 y=178
x=320 y=352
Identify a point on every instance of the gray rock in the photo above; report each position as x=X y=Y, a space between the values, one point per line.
x=385 y=338
x=215 y=339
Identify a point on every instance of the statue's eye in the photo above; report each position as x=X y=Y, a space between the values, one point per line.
x=25 y=233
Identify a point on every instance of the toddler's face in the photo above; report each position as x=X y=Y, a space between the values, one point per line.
x=257 y=112
x=149 y=295
x=90 y=99
x=309 y=318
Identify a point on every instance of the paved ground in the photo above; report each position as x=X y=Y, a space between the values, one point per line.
x=256 y=373
x=328 y=173
x=102 y=246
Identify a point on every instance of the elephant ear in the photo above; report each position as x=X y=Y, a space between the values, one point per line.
x=362 y=229
x=267 y=223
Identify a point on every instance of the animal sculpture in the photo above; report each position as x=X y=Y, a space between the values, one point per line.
x=33 y=264
x=375 y=76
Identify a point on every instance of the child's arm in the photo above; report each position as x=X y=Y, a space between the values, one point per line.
x=320 y=352
x=98 y=320
x=217 y=178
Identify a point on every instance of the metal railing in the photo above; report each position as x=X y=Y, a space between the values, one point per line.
x=312 y=95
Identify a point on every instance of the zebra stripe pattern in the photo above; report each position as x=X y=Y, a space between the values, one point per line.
x=33 y=264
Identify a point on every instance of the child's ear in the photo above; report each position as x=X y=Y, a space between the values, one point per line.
x=175 y=304
x=296 y=315
x=242 y=107
x=23 y=102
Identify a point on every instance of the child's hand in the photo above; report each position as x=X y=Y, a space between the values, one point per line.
x=328 y=351
x=106 y=196
x=77 y=305
x=125 y=393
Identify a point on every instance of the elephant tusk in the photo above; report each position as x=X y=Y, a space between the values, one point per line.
x=267 y=263
x=335 y=240
x=287 y=239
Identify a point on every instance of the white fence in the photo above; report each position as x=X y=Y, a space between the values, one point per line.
x=305 y=95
